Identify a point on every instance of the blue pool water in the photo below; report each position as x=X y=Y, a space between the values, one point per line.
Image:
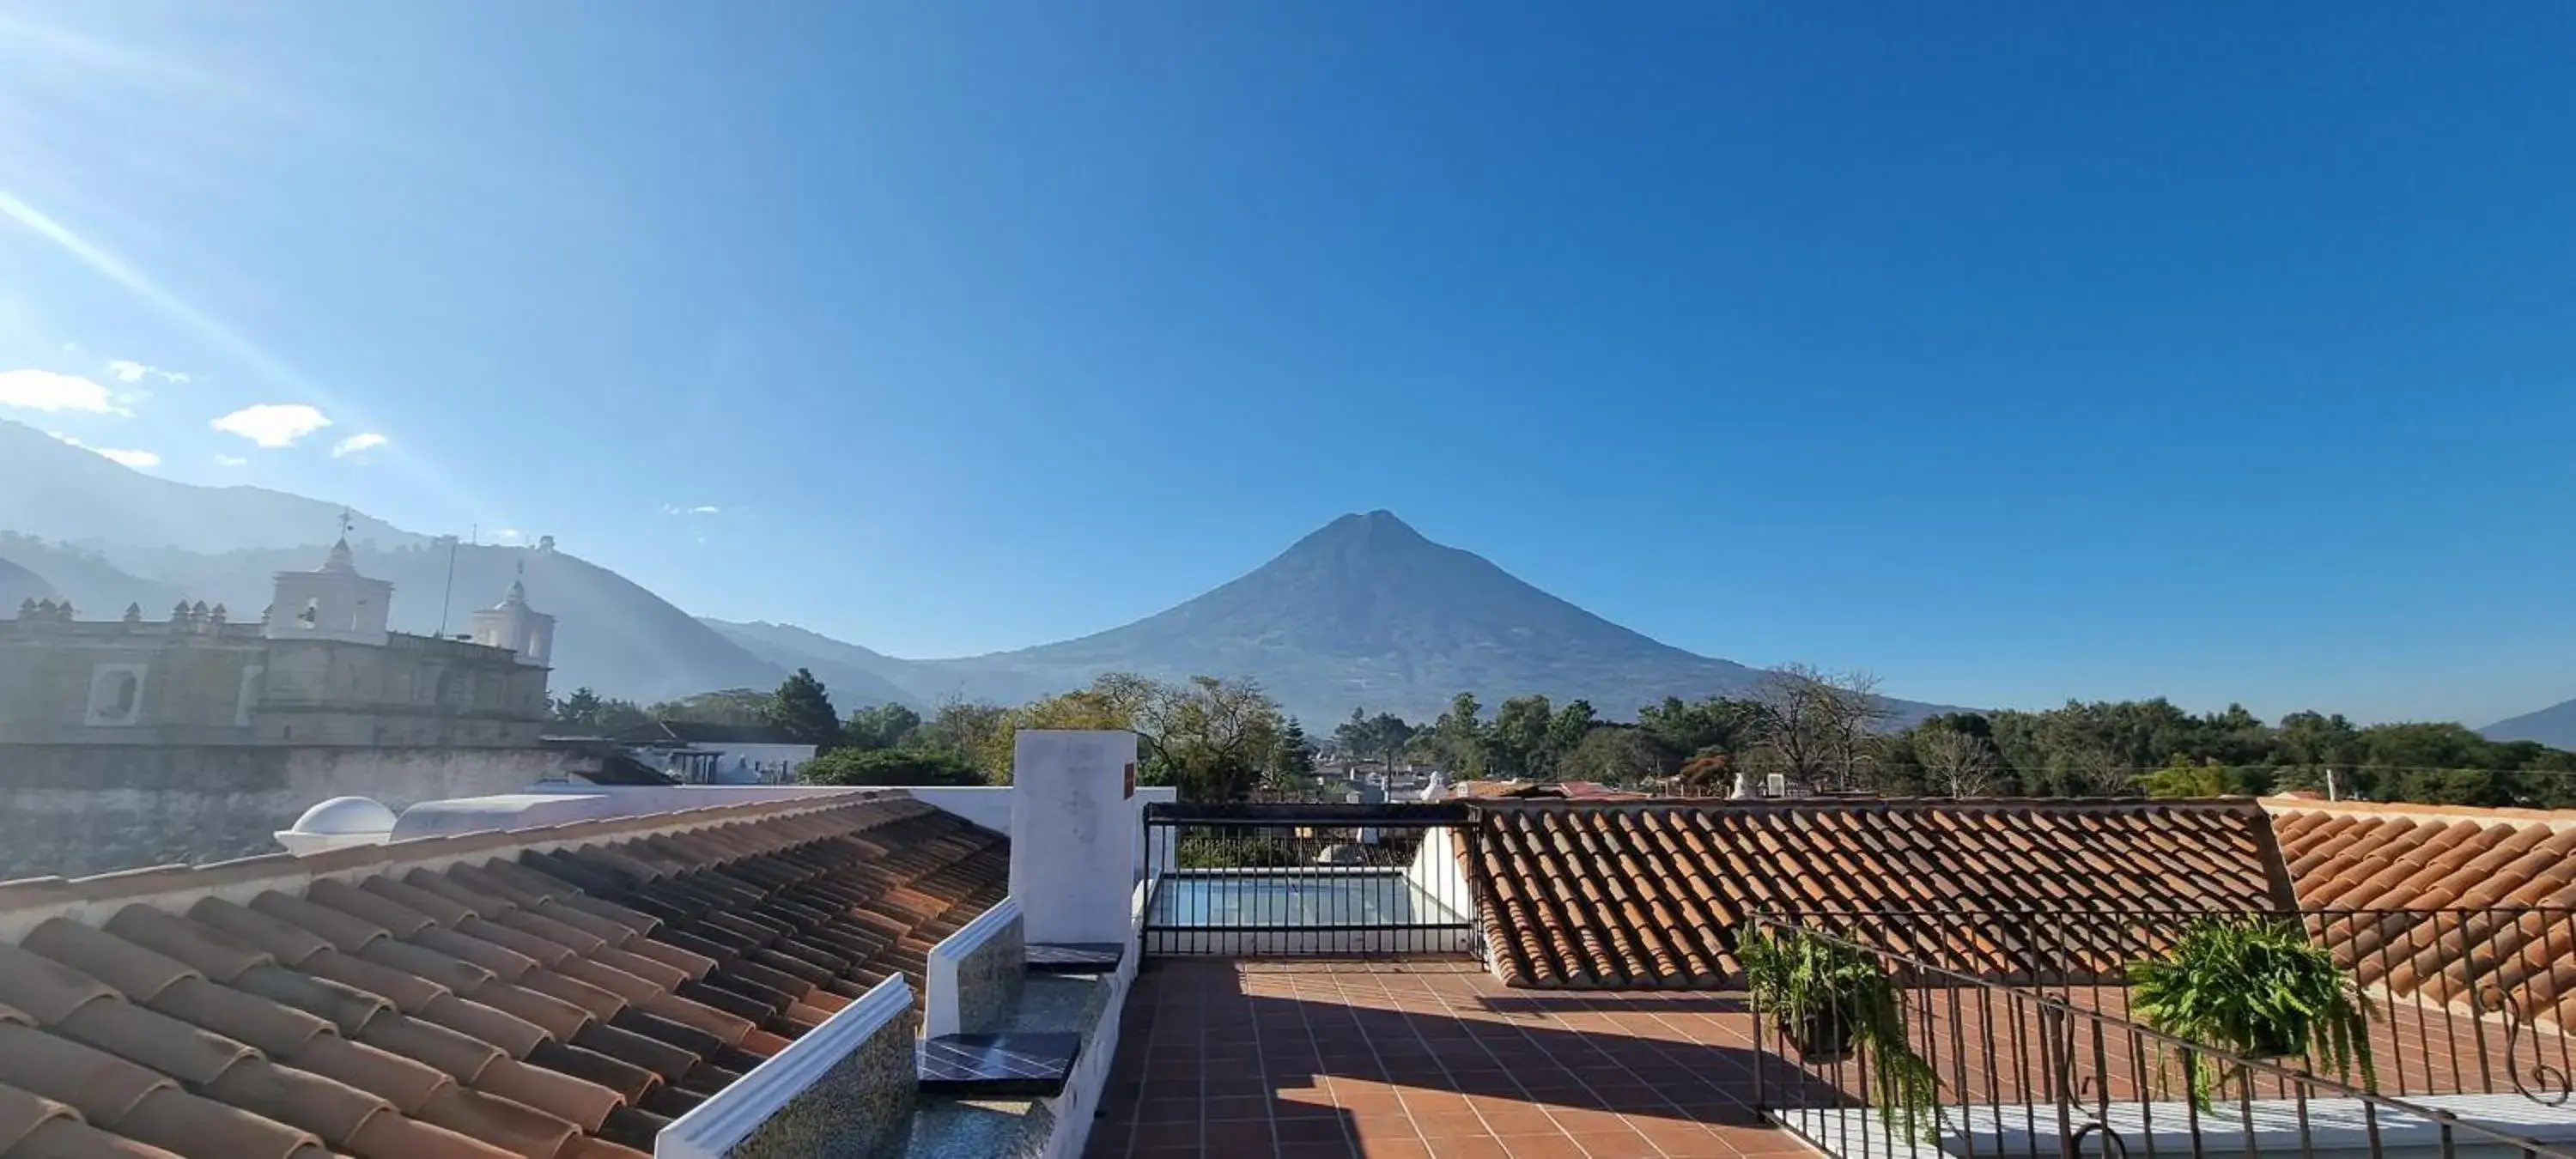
x=1307 y=898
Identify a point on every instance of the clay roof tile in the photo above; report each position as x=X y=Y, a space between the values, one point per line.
x=45 y=989
x=1608 y=880
x=151 y=1038
x=262 y=1024
x=200 y=1126
x=98 y=1084
x=21 y=1113
x=344 y=931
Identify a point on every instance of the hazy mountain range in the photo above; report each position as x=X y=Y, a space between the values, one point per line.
x=60 y=492
x=1362 y=612
x=2554 y=726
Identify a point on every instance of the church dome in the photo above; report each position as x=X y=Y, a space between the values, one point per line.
x=344 y=816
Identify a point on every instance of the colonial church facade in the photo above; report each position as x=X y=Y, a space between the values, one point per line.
x=318 y=668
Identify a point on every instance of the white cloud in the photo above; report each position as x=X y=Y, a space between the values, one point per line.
x=701 y=509
x=273 y=424
x=135 y=459
x=356 y=443
x=231 y=461
x=506 y=535
x=45 y=390
x=127 y=370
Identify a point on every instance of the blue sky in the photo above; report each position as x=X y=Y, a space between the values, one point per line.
x=2016 y=352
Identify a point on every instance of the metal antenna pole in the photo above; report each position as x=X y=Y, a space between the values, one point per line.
x=447 y=599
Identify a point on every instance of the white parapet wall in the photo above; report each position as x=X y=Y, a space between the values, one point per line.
x=846 y=1088
x=1089 y=1082
x=1436 y=873
x=990 y=807
x=974 y=975
x=1074 y=832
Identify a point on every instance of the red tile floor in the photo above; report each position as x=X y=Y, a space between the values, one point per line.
x=1420 y=1058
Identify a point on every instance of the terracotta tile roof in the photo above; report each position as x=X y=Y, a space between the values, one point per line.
x=1580 y=895
x=2490 y=896
x=554 y=994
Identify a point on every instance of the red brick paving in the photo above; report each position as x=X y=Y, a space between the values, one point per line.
x=1422 y=1059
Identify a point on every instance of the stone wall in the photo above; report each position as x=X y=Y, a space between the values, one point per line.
x=80 y=809
x=187 y=687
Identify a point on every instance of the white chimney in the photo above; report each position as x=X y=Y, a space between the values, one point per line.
x=1074 y=833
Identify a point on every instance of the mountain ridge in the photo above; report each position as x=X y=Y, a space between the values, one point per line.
x=2554 y=726
x=1362 y=612
x=62 y=492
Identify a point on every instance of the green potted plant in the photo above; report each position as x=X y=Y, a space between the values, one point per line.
x=2258 y=988
x=1832 y=999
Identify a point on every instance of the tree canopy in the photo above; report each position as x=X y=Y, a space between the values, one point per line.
x=889 y=766
x=728 y=706
x=802 y=708
x=589 y=712
x=882 y=726
x=1218 y=739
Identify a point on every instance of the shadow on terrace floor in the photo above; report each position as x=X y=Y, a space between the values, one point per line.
x=1252 y=1059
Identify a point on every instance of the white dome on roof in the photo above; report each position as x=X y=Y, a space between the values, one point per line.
x=346 y=816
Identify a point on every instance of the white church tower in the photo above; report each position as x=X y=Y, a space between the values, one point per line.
x=333 y=602
x=512 y=624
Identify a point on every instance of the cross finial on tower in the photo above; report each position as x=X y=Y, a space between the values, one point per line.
x=345 y=523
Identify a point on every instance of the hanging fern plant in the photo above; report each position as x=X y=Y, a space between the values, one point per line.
x=2257 y=988
x=1832 y=998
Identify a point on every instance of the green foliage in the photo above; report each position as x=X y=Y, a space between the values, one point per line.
x=883 y=726
x=1516 y=744
x=2258 y=988
x=1801 y=978
x=1227 y=852
x=590 y=712
x=1372 y=738
x=853 y=766
x=969 y=729
x=729 y=706
x=803 y=709
x=2181 y=779
x=1573 y=721
x=1613 y=754
x=1458 y=741
x=2151 y=746
x=1719 y=728
x=1211 y=738
x=1292 y=758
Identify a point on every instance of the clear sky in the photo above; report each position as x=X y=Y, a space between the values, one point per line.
x=2016 y=352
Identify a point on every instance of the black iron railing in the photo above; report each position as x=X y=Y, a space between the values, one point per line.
x=2463 y=1001
x=2023 y=1022
x=1306 y=880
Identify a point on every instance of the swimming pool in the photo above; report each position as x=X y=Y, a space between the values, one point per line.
x=1301 y=911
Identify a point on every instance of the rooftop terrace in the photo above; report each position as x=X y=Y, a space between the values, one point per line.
x=1411 y=1058
x=584 y=976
